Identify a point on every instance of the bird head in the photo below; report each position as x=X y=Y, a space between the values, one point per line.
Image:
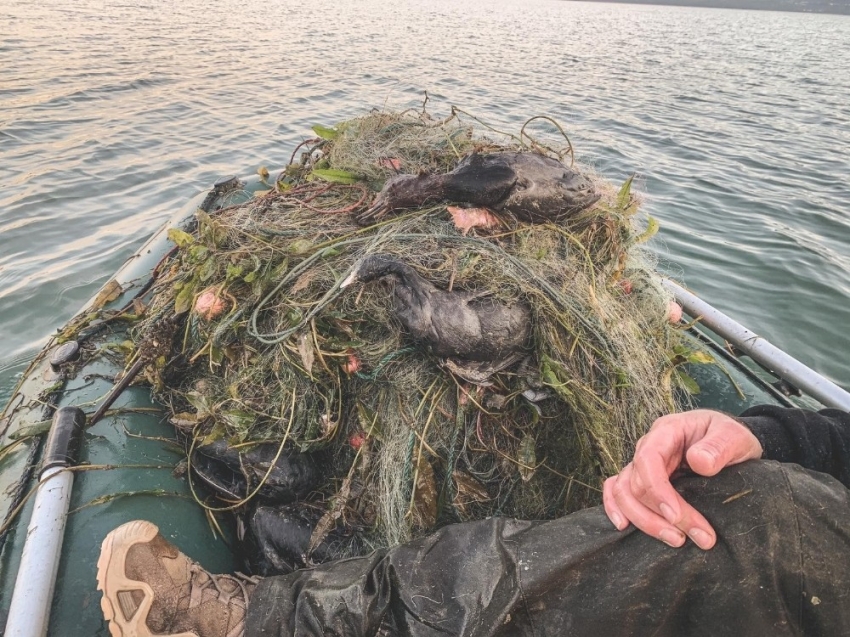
x=582 y=192
x=398 y=193
x=375 y=266
x=370 y=268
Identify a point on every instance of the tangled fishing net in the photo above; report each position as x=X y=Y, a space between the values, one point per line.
x=251 y=339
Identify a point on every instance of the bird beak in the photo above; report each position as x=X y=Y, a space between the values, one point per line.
x=351 y=278
x=592 y=198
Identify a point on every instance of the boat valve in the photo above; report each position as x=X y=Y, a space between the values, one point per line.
x=65 y=353
x=220 y=187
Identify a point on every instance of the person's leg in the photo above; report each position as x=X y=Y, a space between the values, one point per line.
x=781 y=567
x=150 y=588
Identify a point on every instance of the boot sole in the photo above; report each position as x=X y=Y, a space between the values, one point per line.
x=112 y=580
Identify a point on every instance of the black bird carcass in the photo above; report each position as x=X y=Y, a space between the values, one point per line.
x=529 y=186
x=461 y=326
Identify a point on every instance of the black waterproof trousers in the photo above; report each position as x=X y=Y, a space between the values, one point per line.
x=781 y=566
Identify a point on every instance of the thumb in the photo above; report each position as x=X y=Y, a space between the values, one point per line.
x=723 y=445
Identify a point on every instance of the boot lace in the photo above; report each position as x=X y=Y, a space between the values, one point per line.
x=230 y=590
x=202 y=581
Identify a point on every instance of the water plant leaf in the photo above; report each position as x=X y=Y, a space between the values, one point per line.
x=325 y=133
x=216 y=355
x=527 y=457
x=198 y=253
x=468 y=263
x=625 y=195
x=335 y=176
x=127 y=347
x=701 y=358
x=108 y=293
x=210 y=231
x=200 y=402
x=184 y=298
x=307 y=353
x=301 y=246
x=208 y=269
x=652 y=228
x=551 y=374
x=469 y=491
x=109 y=497
x=216 y=433
x=234 y=271
x=368 y=421
x=184 y=420
x=181 y=238
x=425 y=496
x=303 y=281
x=686 y=382
x=35 y=429
x=331 y=517
x=238 y=419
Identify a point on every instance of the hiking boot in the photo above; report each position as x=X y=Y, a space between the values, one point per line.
x=150 y=589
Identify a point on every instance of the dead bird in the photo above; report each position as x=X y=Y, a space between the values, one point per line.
x=276 y=539
x=530 y=186
x=234 y=473
x=463 y=325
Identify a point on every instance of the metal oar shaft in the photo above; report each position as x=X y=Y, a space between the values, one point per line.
x=760 y=350
x=29 y=611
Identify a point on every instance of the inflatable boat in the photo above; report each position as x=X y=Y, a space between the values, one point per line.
x=82 y=450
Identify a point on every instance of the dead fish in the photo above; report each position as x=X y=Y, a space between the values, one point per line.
x=530 y=186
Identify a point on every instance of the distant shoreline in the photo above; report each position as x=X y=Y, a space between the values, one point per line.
x=835 y=7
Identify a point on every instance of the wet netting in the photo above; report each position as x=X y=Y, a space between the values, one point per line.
x=251 y=337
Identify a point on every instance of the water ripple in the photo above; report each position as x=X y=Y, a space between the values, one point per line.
x=112 y=115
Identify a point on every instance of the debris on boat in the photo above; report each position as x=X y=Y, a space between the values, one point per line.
x=441 y=363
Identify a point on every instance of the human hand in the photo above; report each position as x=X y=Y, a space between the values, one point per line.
x=702 y=440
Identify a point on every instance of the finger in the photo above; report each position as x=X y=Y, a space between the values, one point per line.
x=651 y=487
x=610 y=505
x=725 y=443
x=694 y=421
x=679 y=513
x=644 y=518
x=654 y=461
x=658 y=454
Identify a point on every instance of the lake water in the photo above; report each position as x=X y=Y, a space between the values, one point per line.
x=737 y=123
